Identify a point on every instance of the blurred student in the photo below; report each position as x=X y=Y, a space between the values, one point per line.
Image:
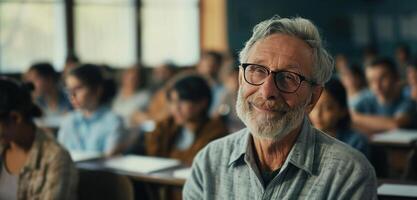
x=48 y=94
x=331 y=115
x=385 y=108
x=161 y=74
x=189 y=128
x=227 y=107
x=158 y=106
x=92 y=127
x=411 y=89
x=353 y=79
x=402 y=58
x=71 y=62
x=341 y=63
x=369 y=54
x=32 y=164
x=130 y=97
x=209 y=66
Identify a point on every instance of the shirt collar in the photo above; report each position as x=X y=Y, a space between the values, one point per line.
x=240 y=145
x=301 y=154
x=97 y=114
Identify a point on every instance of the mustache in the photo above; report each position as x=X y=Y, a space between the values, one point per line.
x=272 y=105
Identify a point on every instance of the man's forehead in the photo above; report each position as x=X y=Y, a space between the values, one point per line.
x=281 y=60
x=279 y=50
x=377 y=69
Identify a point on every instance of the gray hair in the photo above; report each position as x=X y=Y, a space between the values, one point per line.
x=301 y=28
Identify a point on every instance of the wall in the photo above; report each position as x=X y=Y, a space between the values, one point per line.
x=346 y=25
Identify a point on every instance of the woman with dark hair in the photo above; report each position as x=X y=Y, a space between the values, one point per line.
x=92 y=127
x=331 y=115
x=32 y=164
x=189 y=127
x=47 y=94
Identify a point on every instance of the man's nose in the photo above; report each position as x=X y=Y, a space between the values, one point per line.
x=268 y=89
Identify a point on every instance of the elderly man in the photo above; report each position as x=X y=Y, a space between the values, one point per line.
x=280 y=155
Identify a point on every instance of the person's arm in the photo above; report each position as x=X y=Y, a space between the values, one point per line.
x=153 y=140
x=61 y=178
x=371 y=124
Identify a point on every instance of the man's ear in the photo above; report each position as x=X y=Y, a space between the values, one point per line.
x=240 y=75
x=315 y=95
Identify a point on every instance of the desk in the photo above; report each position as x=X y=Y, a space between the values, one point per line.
x=397 y=146
x=163 y=177
x=401 y=139
x=396 y=190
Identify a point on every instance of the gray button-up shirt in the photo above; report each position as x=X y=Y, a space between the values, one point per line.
x=317 y=167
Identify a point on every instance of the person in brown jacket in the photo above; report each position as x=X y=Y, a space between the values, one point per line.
x=32 y=164
x=189 y=127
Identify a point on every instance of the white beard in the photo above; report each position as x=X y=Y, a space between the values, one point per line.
x=269 y=126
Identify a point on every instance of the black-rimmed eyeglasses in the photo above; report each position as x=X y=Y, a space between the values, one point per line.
x=285 y=81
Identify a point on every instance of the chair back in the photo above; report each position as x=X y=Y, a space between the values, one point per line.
x=104 y=185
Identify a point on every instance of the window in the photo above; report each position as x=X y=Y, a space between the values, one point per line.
x=106 y=32
x=170 y=32
x=31 y=31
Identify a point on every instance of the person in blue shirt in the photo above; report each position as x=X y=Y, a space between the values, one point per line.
x=93 y=127
x=331 y=115
x=209 y=66
x=385 y=107
x=411 y=89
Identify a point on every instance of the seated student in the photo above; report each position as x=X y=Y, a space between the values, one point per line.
x=402 y=58
x=32 y=164
x=157 y=108
x=71 y=61
x=353 y=79
x=189 y=128
x=331 y=115
x=47 y=94
x=386 y=107
x=93 y=127
x=130 y=98
x=209 y=66
x=227 y=107
x=411 y=89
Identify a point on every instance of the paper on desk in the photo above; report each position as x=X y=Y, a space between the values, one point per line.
x=140 y=164
x=182 y=173
x=397 y=136
x=398 y=190
x=78 y=156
